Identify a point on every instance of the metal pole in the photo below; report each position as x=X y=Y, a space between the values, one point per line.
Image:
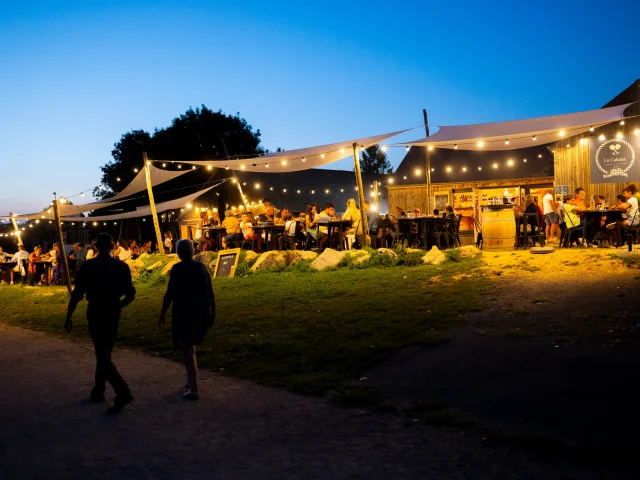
x=152 y=203
x=363 y=216
x=17 y=229
x=428 y=169
x=56 y=213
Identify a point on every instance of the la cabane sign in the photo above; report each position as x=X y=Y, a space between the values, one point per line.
x=614 y=160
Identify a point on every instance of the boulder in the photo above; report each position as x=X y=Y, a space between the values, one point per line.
x=155 y=266
x=295 y=256
x=434 y=257
x=136 y=266
x=167 y=268
x=268 y=260
x=469 y=251
x=328 y=258
x=205 y=257
x=143 y=257
x=358 y=256
x=387 y=252
x=249 y=256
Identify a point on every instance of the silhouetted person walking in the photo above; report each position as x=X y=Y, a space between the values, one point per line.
x=193 y=312
x=104 y=281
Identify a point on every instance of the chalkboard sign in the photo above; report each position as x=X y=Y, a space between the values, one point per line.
x=227 y=262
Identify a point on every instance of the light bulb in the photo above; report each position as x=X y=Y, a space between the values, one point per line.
x=448 y=169
x=601 y=138
x=561 y=133
x=164 y=164
x=257 y=186
x=430 y=147
x=480 y=144
x=510 y=163
x=591 y=129
x=535 y=138
x=479 y=168
x=455 y=146
x=464 y=169
x=284 y=162
x=622 y=122
x=506 y=142
x=406 y=148
x=209 y=168
x=135 y=170
x=418 y=171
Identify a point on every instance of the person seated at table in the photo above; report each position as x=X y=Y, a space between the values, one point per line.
x=214 y=219
x=4 y=256
x=328 y=214
x=436 y=212
x=448 y=212
x=634 y=189
x=570 y=210
x=145 y=248
x=416 y=212
x=92 y=251
x=293 y=228
x=268 y=215
x=232 y=226
x=246 y=225
x=55 y=272
x=122 y=251
x=33 y=266
x=79 y=255
x=279 y=218
x=629 y=207
x=352 y=213
x=266 y=203
x=579 y=199
x=168 y=242
x=135 y=248
x=310 y=221
x=21 y=259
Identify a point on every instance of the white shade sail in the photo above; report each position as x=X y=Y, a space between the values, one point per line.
x=294 y=160
x=144 y=211
x=138 y=184
x=520 y=133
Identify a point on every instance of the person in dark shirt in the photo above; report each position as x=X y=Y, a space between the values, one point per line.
x=104 y=281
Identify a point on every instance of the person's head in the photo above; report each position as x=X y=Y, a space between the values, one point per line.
x=56 y=247
x=399 y=209
x=569 y=199
x=122 y=243
x=287 y=216
x=266 y=202
x=270 y=211
x=167 y=234
x=184 y=249
x=147 y=244
x=549 y=191
x=37 y=250
x=312 y=209
x=330 y=209
x=416 y=211
x=366 y=205
x=633 y=188
x=528 y=200
x=448 y=209
x=436 y=211
x=81 y=245
x=602 y=198
x=204 y=215
x=620 y=199
x=104 y=242
x=301 y=214
x=21 y=246
x=215 y=216
x=627 y=193
x=76 y=247
x=558 y=197
x=228 y=213
x=245 y=217
x=580 y=194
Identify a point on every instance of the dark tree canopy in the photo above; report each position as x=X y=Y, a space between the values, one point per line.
x=195 y=135
x=374 y=160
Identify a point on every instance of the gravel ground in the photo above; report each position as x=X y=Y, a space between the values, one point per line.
x=237 y=431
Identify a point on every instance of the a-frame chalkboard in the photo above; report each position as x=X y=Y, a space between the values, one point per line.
x=227 y=262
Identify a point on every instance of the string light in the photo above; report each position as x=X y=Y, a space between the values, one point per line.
x=433 y=169
x=284 y=190
x=405 y=177
x=525 y=160
x=479 y=168
x=506 y=142
x=480 y=144
x=135 y=170
x=179 y=166
x=284 y=162
x=448 y=169
x=117 y=179
x=510 y=163
x=390 y=180
x=257 y=186
x=209 y=168
x=298 y=191
x=313 y=192
x=227 y=167
x=304 y=159
x=326 y=191
x=622 y=122
x=241 y=167
x=464 y=169
x=561 y=133
x=342 y=190
x=430 y=147
x=535 y=138
x=164 y=164
x=322 y=156
x=619 y=135
x=591 y=129
x=601 y=138
x=342 y=150
x=271 y=188
x=383 y=148
x=418 y=171
x=406 y=148
x=266 y=165
x=495 y=165
x=636 y=132
x=455 y=146
x=193 y=167
x=539 y=156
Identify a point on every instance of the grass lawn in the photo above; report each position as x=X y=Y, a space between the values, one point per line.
x=310 y=332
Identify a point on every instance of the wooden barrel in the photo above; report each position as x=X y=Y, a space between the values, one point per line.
x=498 y=227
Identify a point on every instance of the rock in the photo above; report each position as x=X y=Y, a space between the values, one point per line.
x=167 y=268
x=434 y=257
x=268 y=260
x=143 y=256
x=469 y=251
x=295 y=256
x=205 y=257
x=249 y=256
x=155 y=266
x=328 y=258
x=414 y=250
x=361 y=256
x=388 y=252
x=171 y=256
x=136 y=266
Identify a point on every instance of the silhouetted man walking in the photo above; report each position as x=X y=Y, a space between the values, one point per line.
x=104 y=281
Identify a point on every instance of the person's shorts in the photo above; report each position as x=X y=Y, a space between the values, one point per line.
x=551 y=218
x=232 y=237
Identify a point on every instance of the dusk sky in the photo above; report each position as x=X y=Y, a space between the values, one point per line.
x=77 y=75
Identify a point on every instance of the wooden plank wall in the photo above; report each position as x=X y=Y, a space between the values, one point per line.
x=415 y=196
x=571 y=164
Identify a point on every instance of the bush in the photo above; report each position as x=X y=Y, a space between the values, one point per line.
x=453 y=255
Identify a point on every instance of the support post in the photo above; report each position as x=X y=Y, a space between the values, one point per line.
x=65 y=262
x=363 y=216
x=152 y=203
x=428 y=166
x=16 y=228
x=375 y=195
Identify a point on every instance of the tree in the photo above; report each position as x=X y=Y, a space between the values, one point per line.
x=195 y=135
x=374 y=160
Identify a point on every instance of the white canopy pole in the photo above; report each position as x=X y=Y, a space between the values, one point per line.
x=17 y=229
x=363 y=216
x=152 y=203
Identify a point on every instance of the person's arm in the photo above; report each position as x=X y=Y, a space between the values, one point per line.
x=168 y=298
x=129 y=291
x=78 y=293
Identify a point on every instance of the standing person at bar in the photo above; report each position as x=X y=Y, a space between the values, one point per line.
x=193 y=312
x=104 y=281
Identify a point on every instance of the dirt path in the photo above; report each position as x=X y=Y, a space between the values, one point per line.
x=237 y=431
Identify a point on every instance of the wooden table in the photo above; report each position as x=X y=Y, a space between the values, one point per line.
x=269 y=232
x=332 y=224
x=217 y=231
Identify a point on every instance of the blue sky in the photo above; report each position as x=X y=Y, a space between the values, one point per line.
x=77 y=75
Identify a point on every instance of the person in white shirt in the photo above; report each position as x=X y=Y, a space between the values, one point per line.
x=122 y=252
x=21 y=259
x=551 y=220
x=631 y=216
